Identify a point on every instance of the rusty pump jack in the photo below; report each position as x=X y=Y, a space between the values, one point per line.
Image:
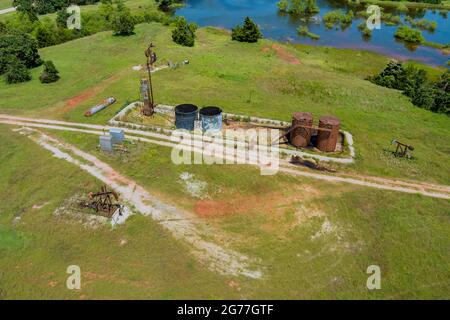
x=402 y=150
x=102 y=202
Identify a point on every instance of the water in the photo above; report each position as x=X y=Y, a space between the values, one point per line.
x=228 y=13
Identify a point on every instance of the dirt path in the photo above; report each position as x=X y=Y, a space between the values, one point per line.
x=181 y=224
x=282 y=54
x=413 y=187
x=7 y=10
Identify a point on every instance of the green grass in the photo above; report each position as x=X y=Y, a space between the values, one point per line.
x=406 y=235
x=35 y=252
x=4 y=4
x=328 y=81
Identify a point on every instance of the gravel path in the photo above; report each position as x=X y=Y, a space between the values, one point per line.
x=8 y=10
x=413 y=187
x=181 y=224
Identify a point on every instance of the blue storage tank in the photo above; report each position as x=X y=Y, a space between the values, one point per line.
x=117 y=135
x=185 y=116
x=106 y=143
x=211 y=118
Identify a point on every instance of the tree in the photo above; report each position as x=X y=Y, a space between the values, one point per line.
x=184 y=33
x=442 y=94
x=249 y=32
x=61 y=18
x=16 y=71
x=122 y=22
x=26 y=7
x=20 y=45
x=45 y=35
x=164 y=5
x=49 y=74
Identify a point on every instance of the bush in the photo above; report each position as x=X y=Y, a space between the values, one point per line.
x=249 y=32
x=414 y=84
x=122 y=22
x=16 y=71
x=298 y=6
x=184 y=33
x=442 y=94
x=336 y=17
x=46 y=34
x=409 y=35
x=50 y=74
x=304 y=31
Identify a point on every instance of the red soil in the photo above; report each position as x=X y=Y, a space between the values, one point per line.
x=282 y=54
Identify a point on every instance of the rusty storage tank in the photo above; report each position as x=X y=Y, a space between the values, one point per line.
x=185 y=116
x=327 y=140
x=211 y=118
x=301 y=136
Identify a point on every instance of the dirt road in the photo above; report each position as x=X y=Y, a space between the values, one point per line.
x=181 y=224
x=412 y=187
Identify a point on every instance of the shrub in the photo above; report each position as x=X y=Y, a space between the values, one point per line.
x=336 y=17
x=442 y=94
x=184 y=33
x=409 y=35
x=46 y=34
x=298 y=6
x=122 y=22
x=366 y=32
x=16 y=71
x=248 y=32
x=49 y=74
x=304 y=31
x=414 y=84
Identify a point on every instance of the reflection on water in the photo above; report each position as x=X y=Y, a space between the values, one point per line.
x=283 y=27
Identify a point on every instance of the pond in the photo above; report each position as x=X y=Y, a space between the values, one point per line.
x=283 y=27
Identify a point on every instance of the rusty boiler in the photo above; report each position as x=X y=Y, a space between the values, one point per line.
x=301 y=129
x=327 y=139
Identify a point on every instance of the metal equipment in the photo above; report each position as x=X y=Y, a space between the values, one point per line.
x=185 y=116
x=106 y=103
x=146 y=86
x=301 y=135
x=102 y=202
x=211 y=118
x=402 y=150
x=327 y=139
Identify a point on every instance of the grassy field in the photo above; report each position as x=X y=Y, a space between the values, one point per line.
x=257 y=82
x=5 y=4
x=277 y=220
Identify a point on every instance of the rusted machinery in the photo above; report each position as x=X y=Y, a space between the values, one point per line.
x=146 y=84
x=302 y=129
x=103 y=202
x=402 y=150
x=301 y=134
x=327 y=139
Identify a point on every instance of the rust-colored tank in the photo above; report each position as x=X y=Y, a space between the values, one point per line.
x=327 y=140
x=300 y=137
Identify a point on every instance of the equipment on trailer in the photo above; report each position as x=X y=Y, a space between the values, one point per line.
x=402 y=150
x=103 y=202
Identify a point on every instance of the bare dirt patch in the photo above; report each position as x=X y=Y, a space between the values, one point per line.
x=273 y=202
x=282 y=54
